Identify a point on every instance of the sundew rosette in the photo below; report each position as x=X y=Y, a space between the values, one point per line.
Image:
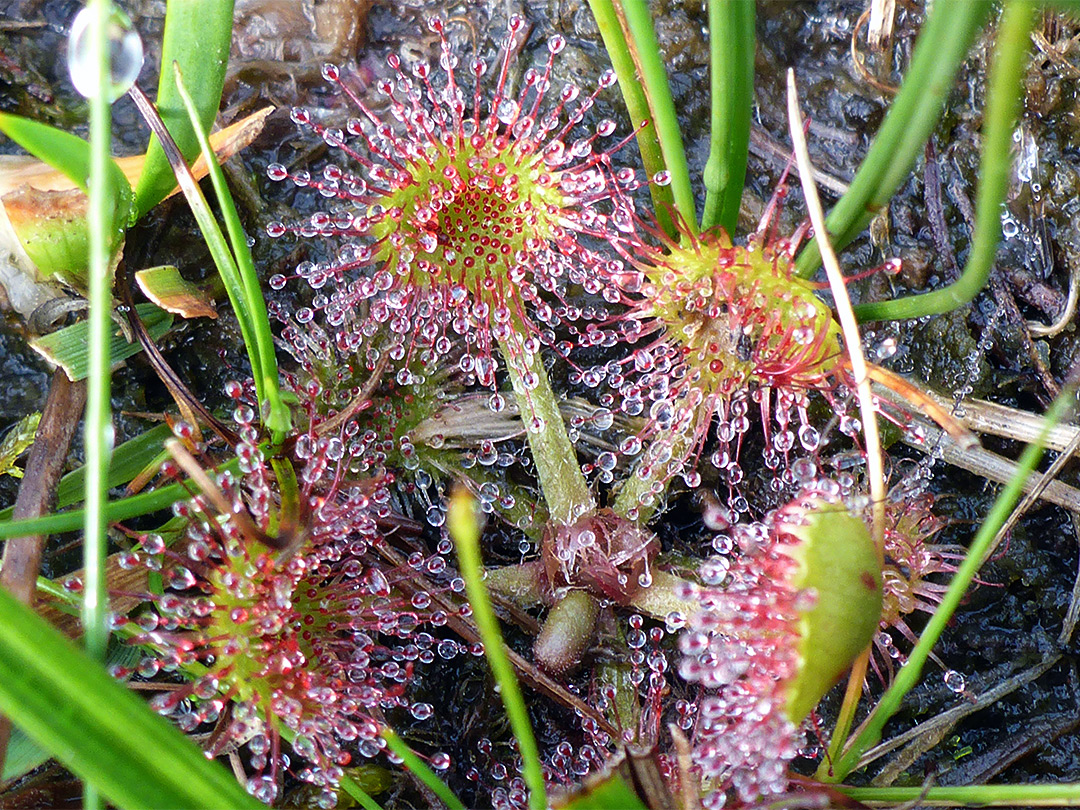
x=776 y=624
x=296 y=639
x=719 y=329
x=463 y=205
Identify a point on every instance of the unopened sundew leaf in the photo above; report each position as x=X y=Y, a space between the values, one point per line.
x=68 y=347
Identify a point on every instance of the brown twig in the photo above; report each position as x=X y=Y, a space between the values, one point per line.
x=22 y=555
x=181 y=394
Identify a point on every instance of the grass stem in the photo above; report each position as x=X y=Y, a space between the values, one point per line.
x=731 y=70
x=1005 y=85
x=464 y=527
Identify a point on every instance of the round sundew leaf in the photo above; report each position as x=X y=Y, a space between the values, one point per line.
x=838 y=568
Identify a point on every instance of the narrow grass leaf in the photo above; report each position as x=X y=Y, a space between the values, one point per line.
x=646 y=50
x=70 y=706
x=197 y=37
x=1053 y=795
x=464 y=527
x=69 y=347
x=637 y=105
x=63 y=151
x=421 y=770
x=129 y=459
x=261 y=352
x=119 y=510
x=211 y=232
x=23 y=755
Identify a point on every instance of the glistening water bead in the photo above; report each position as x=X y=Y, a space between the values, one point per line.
x=125 y=54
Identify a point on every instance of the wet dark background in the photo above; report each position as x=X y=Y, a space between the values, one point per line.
x=1009 y=624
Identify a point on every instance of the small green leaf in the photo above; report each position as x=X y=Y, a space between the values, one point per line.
x=66 y=153
x=839 y=564
x=23 y=755
x=57 y=239
x=69 y=349
x=68 y=705
x=17 y=442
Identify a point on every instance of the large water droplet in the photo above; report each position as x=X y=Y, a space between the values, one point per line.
x=125 y=55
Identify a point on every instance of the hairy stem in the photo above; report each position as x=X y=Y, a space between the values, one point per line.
x=565 y=489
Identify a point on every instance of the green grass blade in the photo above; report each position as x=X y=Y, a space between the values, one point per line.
x=731 y=65
x=67 y=153
x=909 y=674
x=658 y=92
x=1063 y=795
x=128 y=460
x=420 y=768
x=948 y=33
x=1005 y=84
x=350 y=788
x=119 y=510
x=262 y=350
x=637 y=105
x=70 y=707
x=98 y=428
x=197 y=37
x=211 y=233
x=69 y=347
x=464 y=528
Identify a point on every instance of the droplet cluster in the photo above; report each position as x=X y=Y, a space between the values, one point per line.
x=289 y=614
x=741 y=646
x=718 y=329
x=911 y=561
x=461 y=213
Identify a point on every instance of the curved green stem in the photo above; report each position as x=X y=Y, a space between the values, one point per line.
x=637 y=105
x=731 y=66
x=1002 y=106
x=565 y=490
x=909 y=674
x=947 y=34
x=464 y=527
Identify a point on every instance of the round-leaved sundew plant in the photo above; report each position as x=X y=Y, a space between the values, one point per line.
x=778 y=619
x=462 y=217
x=717 y=328
x=294 y=634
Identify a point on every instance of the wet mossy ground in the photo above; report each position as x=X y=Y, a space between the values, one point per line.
x=1009 y=622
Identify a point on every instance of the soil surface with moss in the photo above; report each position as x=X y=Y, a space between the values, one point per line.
x=1010 y=622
